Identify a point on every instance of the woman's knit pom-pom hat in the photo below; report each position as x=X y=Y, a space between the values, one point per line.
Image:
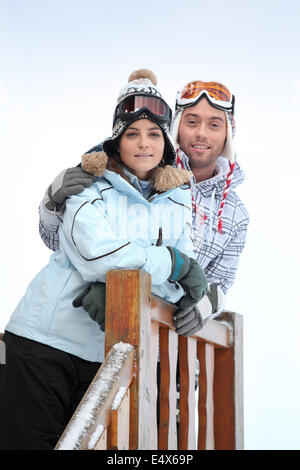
x=140 y=82
x=165 y=177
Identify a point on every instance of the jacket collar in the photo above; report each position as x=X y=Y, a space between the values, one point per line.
x=217 y=182
x=164 y=178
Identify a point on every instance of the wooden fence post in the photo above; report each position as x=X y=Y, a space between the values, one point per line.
x=228 y=388
x=128 y=320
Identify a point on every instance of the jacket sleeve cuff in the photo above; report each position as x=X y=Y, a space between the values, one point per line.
x=158 y=264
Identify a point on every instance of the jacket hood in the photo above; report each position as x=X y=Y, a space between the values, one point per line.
x=165 y=177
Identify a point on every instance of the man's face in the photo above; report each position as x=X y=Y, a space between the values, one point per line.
x=202 y=134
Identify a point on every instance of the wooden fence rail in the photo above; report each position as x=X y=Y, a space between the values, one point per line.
x=149 y=373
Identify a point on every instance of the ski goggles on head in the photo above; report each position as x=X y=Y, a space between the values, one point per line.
x=134 y=104
x=217 y=94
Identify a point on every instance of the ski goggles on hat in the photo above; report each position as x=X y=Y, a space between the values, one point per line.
x=217 y=94
x=134 y=104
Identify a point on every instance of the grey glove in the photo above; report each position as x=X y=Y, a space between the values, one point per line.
x=187 y=322
x=92 y=299
x=67 y=183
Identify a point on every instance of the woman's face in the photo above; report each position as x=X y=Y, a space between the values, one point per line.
x=142 y=147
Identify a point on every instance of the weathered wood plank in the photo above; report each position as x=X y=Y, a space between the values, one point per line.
x=213 y=332
x=153 y=442
x=202 y=395
x=167 y=396
x=128 y=319
x=187 y=362
x=120 y=424
x=228 y=389
x=102 y=442
x=205 y=396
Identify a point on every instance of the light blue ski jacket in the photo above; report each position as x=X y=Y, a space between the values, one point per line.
x=110 y=225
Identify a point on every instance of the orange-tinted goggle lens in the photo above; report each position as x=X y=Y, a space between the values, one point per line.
x=217 y=91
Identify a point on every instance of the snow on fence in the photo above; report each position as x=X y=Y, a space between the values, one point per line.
x=119 y=410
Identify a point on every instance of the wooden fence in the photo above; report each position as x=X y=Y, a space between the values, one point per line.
x=120 y=411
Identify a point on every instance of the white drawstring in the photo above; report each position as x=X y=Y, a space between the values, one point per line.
x=211 y=211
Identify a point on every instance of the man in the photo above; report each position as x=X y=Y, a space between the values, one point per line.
x=203 y=128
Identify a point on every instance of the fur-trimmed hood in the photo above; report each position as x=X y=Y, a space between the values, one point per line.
x=164 y=177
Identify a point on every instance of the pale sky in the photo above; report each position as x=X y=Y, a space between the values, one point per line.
x=62 y=64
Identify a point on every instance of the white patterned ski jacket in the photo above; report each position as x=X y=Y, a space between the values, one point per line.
x=218 y=253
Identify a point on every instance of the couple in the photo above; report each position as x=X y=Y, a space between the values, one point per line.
x=55 y=337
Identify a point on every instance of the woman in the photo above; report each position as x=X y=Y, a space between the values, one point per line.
x=136 y=215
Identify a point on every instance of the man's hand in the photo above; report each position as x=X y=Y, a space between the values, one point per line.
x=67 y=183
x=187 y=322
